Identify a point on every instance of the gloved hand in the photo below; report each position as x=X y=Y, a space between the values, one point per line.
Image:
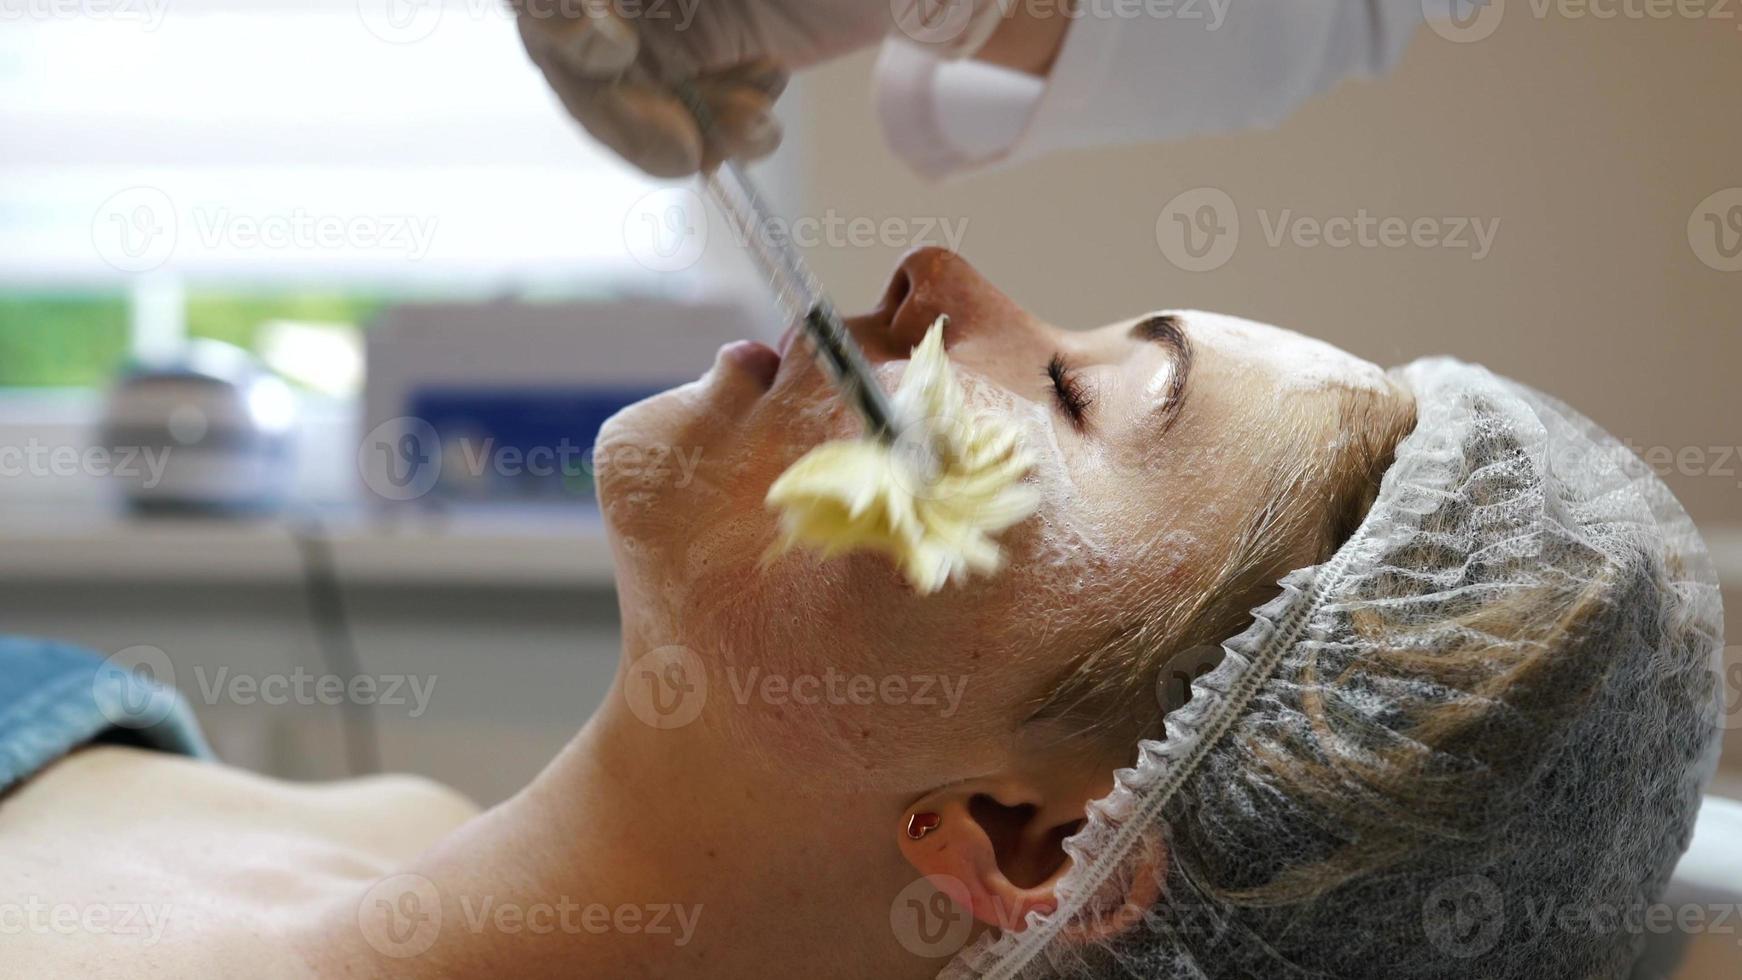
x=736 y=54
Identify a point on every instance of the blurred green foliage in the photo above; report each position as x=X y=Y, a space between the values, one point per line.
x=238 y=316
x=61 y=339
x=80 y=339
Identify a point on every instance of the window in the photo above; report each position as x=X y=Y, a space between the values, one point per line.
x=212 y=168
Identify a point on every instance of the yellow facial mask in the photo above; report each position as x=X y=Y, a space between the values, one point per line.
x=937 y=526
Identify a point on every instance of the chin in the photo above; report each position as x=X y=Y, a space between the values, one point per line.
x=680 y=481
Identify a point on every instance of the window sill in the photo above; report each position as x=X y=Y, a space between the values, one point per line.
x=511 y=552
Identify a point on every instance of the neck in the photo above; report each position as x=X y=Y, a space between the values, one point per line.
x=641 y=852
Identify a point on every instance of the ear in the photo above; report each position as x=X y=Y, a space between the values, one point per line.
x=1001 y=838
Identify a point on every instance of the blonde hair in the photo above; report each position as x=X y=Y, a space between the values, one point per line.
x=1314 y=497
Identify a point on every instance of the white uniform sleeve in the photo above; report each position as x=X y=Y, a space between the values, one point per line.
x=1137 y=71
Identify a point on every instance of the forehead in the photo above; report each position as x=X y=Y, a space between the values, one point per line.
x=1296 y=362
x=1256 y=394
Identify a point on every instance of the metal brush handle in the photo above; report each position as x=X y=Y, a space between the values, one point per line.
x=796 y=290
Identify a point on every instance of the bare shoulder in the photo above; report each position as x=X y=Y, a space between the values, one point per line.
x=102 y=786
x=125 y=862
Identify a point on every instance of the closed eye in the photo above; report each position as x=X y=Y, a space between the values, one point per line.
x=1072 y=395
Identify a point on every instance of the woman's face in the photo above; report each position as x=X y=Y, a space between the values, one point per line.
x=1152 y=436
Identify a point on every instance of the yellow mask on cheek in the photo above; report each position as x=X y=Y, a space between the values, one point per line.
x=864 y=495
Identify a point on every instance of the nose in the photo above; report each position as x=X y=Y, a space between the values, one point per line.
x=927 y=283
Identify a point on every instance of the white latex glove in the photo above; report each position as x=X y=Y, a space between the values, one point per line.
x=736 y=54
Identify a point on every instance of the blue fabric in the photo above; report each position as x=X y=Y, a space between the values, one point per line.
x=55 y=697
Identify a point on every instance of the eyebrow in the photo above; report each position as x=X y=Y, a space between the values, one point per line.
x=1167 y=330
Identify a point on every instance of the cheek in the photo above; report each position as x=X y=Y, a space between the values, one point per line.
x=837 y=664
x=833 y=669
